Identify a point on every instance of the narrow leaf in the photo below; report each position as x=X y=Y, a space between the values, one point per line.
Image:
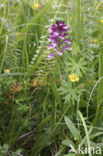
x=72 y=128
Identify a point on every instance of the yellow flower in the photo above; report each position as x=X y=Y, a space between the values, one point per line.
x=95 y=40
x=70 y=18
x=101 y=21
x=17 y=34
x=37 y=6
x=7 y=71
x=73 y=77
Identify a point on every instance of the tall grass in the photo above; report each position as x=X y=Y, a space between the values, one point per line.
x=32 y=109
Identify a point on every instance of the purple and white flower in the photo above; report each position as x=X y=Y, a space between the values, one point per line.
x=51 y=56
x=58 y=39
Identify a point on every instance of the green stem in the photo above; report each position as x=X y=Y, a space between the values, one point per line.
x=76 y=22
x=3 y=17
x=54 y=129
x=3 y=59
x=100 y=86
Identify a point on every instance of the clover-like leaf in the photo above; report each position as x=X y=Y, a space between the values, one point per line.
x=69 y=92
x=76 y=66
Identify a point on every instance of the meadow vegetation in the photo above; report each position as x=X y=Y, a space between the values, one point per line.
x=51 y=95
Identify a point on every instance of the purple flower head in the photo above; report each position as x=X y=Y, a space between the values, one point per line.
x=50 y=56
x=60 y=52
x=58 y=38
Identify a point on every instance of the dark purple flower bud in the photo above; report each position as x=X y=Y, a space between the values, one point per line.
x=51 y=46
x=67 y=41
x=53 y=39
x=51 y=34
x=62 y=36
x=67 y=46
x=59 y=23
x=65 y=27
x=57 y=33
x=65 y=35
x=53 y=28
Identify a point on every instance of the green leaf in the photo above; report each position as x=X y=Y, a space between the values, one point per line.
x=69 y=92
x=76 y=66
x=75 y=49
x=72 y=128
x=18 y=151
x=86 y=129
x=68 y=142
x=5 y=147
x=96 y=135
x=70 y=154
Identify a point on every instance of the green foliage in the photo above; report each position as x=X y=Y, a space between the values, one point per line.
x=75 y=49
x=37 y=93
x=77 y=140
x=72 y=128
x=4 y=149
x=70 y=92
x=77 y=67
x=18 y=152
